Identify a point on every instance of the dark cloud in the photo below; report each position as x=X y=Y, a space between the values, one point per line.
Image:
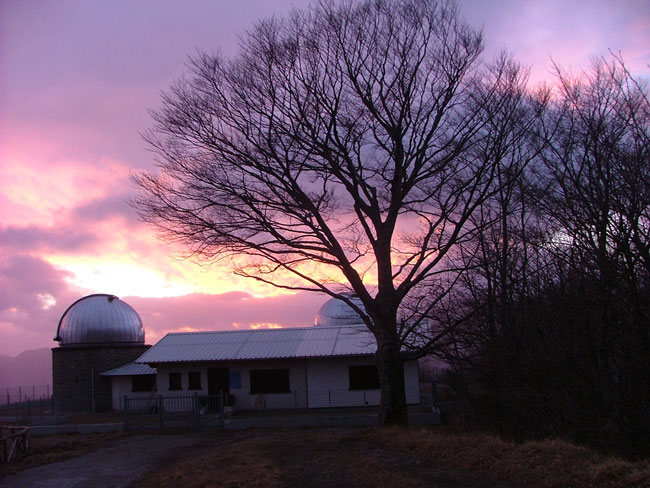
x=34 y=238
x=105 y=208
x=34 y=296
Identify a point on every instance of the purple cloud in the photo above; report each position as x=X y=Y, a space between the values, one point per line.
x=34 y=295
x=34 y=238
x=104 y=208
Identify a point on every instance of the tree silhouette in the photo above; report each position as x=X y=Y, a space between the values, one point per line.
x=345 y=147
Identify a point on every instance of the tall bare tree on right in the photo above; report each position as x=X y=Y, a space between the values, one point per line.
x=563 y=334
x=596 y=181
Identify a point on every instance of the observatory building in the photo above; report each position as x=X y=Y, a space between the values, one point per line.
x=96 y=333
x=102 y=359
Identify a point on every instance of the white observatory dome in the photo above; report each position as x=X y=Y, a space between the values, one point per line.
x=100 y=319
x=337 y=313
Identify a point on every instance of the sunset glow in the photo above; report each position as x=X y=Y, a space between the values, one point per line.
x=76 y=83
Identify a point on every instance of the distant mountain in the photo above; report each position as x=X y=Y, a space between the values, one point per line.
x=31 y=367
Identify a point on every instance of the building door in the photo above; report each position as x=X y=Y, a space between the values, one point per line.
x=218 y=381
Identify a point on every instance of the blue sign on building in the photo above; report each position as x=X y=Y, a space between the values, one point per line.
x=235 y=380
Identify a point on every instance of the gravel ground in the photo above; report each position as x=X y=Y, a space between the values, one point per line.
x=117 y=465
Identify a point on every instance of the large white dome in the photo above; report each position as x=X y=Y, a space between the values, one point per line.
x=337 y=313
x=100 y=319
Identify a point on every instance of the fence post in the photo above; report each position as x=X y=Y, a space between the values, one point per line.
x=126 y=413
x=160 y=410
x=221 y=408
x=29 y=412
x=329 y=399
x=195 y=410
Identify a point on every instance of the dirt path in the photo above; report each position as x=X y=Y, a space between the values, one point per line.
x=117 y=465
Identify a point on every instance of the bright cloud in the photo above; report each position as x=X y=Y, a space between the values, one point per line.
x=264 y=325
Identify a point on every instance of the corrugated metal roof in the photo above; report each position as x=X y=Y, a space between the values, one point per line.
x=236 y=345
x=129 y=369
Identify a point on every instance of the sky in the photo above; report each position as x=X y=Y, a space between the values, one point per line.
x=77 y=81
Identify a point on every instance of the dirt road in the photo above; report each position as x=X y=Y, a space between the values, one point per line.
x=117 y=465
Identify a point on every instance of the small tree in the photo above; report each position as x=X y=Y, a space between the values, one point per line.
x=347 y=144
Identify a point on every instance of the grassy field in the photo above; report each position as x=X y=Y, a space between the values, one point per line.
x=395 y=457
x=398 y=458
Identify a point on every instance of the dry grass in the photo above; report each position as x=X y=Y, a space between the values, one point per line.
x=358 y=458
x=220 y=464
x=549 y=463
x=302 y=457
x=395 y=457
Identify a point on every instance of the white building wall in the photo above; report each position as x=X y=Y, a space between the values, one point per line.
x=314 y=383
x=244 y=399
x=180 y=400
x=121 y=386
x=329 y=383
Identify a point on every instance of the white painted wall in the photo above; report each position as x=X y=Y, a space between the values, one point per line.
x=120 y=386
x=329 y=383
x=314 y=383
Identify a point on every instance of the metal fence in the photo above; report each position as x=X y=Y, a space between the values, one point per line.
x=328 y=398
x=162 y=412
x=20 y=394
x=28 y=405
x=175 y=412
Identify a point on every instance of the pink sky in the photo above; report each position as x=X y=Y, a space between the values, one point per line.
x=76 y=81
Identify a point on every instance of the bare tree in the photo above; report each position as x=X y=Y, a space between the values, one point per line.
x=597 y=194
x=562 y=340
x=347 y=144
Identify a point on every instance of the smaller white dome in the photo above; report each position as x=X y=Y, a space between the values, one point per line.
x=336 y=313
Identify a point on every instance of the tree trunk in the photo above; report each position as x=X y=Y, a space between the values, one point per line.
x=391 y=380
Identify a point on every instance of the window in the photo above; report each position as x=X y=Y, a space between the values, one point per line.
x=364 y=377
x=175 y=381
x=143 y=382
x=195 y=380
x=270 y=381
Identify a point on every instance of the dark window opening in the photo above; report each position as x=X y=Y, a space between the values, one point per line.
x=143 y=382
x=175 y=381
x=195 y=380
x=364 y=377
x=270 y=381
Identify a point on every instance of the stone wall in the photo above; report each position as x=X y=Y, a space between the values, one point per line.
x=75 y=375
